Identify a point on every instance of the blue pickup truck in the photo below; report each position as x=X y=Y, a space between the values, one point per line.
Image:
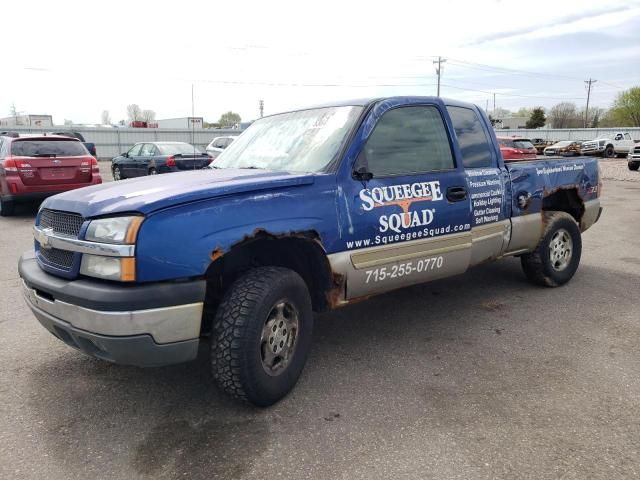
x=306 y=211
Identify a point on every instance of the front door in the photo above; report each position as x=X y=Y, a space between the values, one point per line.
x=128 y=165
x=411 y=221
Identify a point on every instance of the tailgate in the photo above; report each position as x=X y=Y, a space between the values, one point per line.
x=53 y=170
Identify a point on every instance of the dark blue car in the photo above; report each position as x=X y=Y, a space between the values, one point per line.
x=151 y=158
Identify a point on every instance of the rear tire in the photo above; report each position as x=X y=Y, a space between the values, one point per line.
x=261 y=335
x=6 y=208
x=633 y=166
x=152 y=171
x=557 y=256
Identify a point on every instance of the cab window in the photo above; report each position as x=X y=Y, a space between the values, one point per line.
x=407 y=140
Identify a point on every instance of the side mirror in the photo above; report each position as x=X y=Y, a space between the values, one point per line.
x=125 y=154
x=361 y=173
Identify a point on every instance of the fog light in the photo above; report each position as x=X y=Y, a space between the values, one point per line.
x=109 y=268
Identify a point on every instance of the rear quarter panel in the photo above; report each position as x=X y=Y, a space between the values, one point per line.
x=541 y=178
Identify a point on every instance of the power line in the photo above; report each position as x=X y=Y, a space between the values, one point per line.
x=481 y=66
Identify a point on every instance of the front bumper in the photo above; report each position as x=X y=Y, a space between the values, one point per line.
x=591 y=150
x=143 y=325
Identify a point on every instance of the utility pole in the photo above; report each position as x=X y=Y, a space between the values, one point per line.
x=193 y=114
x=494 y=104
x=586 y=110
x=439 y=63
x=261 y=103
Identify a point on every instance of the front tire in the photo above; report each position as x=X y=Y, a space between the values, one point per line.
x=557 y=256
x=117 y=174
x=261 y=335
x=153 y=171
x=633 y=166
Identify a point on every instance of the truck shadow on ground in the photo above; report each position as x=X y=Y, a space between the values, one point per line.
x=172 y=422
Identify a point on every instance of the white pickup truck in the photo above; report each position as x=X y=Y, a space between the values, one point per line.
x=620 y=144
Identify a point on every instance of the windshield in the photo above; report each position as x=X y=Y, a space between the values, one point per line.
x=53 y=148
x=562 y=144
x=304 y=141
x=177 y=148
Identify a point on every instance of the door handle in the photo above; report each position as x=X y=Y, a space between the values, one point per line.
x=456 y=194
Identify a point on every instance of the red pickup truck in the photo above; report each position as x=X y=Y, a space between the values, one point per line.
x=33 y=167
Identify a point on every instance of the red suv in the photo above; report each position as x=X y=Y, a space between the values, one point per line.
x=515 y=148
x=33 y=167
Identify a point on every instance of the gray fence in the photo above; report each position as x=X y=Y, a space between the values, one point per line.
x=110 y=142
x=569 y=133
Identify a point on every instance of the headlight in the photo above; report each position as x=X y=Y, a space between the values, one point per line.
x=121 y=230
x=109 y=268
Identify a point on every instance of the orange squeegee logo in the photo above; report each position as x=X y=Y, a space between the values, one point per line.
x=402 y=196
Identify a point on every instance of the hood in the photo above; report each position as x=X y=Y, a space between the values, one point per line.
x=147 y=194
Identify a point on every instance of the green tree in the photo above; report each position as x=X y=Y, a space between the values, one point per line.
x=229 y=119
x=626 y=108
x=537 y=118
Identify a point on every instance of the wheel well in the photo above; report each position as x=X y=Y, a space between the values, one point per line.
x=565 y=200
x=301 y=253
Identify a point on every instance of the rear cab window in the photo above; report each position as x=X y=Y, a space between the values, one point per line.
x=475 y=145
x=48 y=148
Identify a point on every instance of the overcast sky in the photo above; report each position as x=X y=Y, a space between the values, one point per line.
x=75 y=59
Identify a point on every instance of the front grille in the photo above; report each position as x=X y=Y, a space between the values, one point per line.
x=63 y=223
x=58 y=258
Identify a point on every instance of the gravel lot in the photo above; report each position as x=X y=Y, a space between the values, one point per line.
x=479 y=376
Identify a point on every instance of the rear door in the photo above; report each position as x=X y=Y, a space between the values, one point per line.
x=51 y=161
x=410 y=222
x=487 y=182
